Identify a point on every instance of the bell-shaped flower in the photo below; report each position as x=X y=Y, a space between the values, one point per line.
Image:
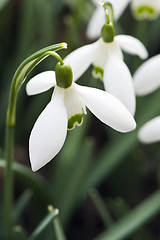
x=145 y=9
x=141 y=9
x=147 y=76
x=98 y=18
x=107 y=59
x=150 y=131
x=147 y=80
x=65 y=110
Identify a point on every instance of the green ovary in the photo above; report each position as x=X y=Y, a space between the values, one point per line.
x=75 y=120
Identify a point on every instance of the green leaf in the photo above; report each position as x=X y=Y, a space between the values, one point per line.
x=134 y=219
x=57 y=226
x=19 y=233
x=21 y=204
x=43 y=224
x=33 y=180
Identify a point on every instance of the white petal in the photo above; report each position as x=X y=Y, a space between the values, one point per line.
x=150 y=132
x=132 y=45
x=118 y=81
x=119 y=7
x=107 y=108
x=96 y=22
x=80 y=59
x=49 y=131
x=147 y=76
x=41 y=83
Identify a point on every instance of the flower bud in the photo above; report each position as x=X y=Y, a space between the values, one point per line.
x=107 y=32
x=64 y=75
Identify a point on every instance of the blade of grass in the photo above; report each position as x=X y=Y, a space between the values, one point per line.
x=43 y=224
x=21 y=204
x=134 y=219
x=57 y=226
x=33 y=180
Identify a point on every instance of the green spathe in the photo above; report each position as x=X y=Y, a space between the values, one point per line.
x=64 y=75
x=107 y=32
x=75 y=120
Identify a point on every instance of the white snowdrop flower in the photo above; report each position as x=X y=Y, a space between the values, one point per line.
x=145 y=9
x=150 y=131
x=98 y=18
x=147 y=80
x=107 y=59
x=65 y=110
x=147 y=76
x=141 y=9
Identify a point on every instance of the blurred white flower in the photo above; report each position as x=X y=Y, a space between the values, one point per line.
x=66 y=109
x=147 y=76
x=147 y=80
x=107 y=59
x=141 y=9
x=150 y=131
x=98 y=18
x=145 y=9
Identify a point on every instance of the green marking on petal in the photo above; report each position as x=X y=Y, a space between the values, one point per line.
x=145 y=12
x=75 y=120
x=97 y=72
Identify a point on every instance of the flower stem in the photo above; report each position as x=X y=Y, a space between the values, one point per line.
x=8 y=189
x=56 y=55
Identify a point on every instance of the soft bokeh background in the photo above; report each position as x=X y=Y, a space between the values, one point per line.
x=96 y=163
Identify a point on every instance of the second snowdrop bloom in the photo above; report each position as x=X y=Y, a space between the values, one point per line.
x=150 y=131
x=98 y=18
x=107 y=59
x=145 y=9
x=147 y=80
x=65 y=110
x=147 y=76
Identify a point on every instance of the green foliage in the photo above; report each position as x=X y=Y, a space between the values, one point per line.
x=93 y=155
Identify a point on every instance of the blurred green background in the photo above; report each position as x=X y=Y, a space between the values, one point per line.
x=100 y=175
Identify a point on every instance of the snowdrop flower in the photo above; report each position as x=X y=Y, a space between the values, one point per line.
x=141 y=9
x=98 y=18
x=65 y=110
x=107 y=59
x=147 y=80
x=147 y=77
x=145 y=9
x=150 y=131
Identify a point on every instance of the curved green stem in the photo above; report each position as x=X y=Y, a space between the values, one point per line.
x=54 y=54
x=19 y=77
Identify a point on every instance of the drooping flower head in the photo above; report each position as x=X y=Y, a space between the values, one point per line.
x=145 y=9
x=65 y=110
x=107 y=58
x=141 y=9
x=146 y=81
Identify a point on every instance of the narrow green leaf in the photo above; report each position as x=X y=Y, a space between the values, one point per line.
x=43 y=224
x=57 y=226
x=33 y=180
x=21 y=204
x=134 y=219
x=101 y=207
x=19 y=233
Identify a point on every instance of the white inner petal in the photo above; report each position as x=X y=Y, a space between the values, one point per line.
x=103 y=52
x=74 y=105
